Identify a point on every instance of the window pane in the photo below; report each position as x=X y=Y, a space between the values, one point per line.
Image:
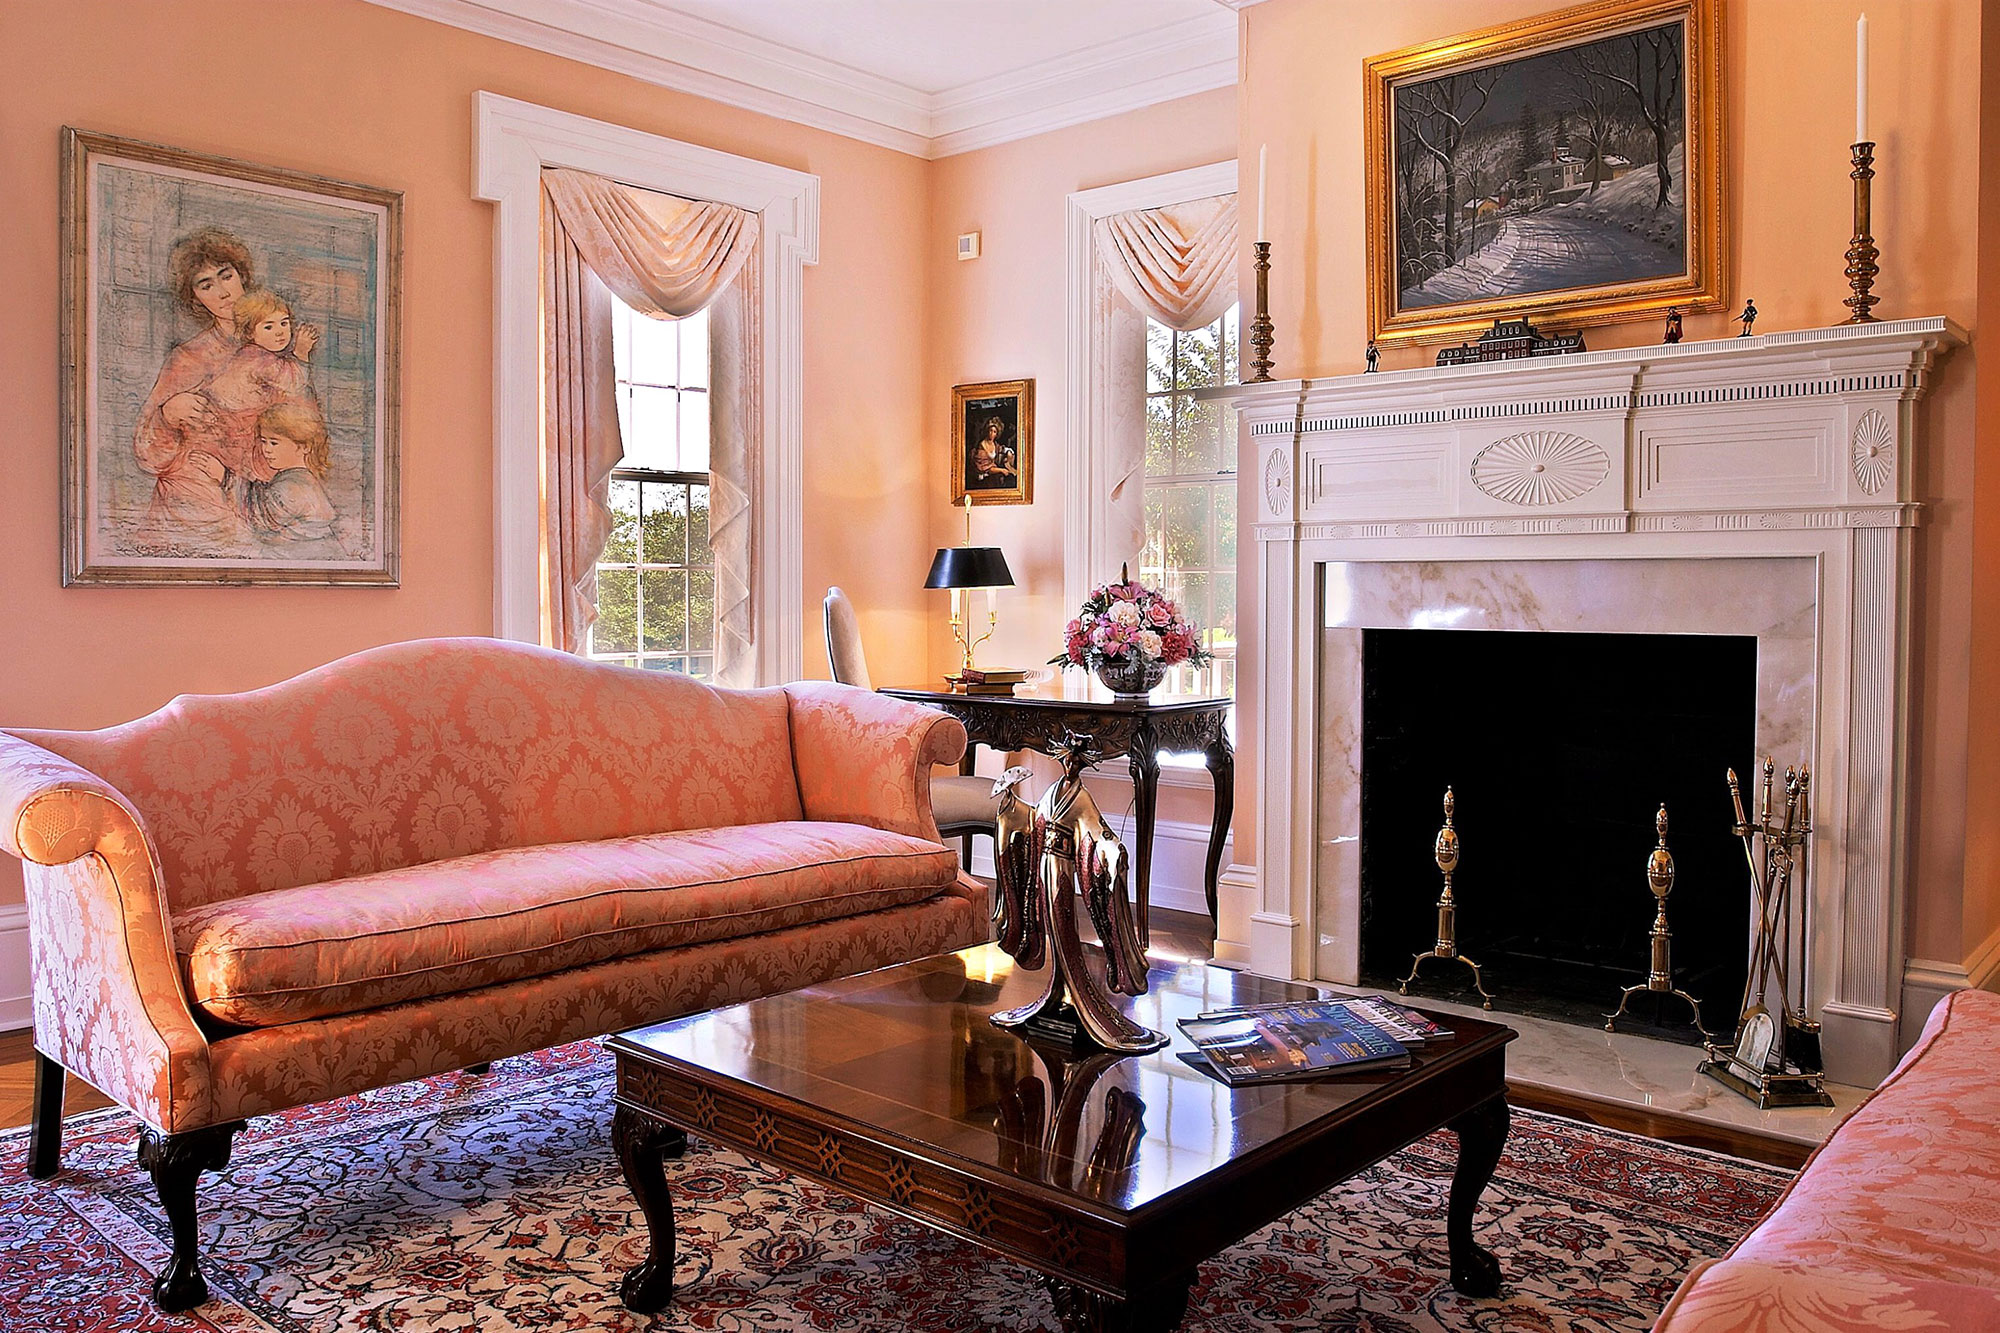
x=1153 y=563
x=620 y=547
x=1159 y=357
x=1223 y=608
x=698 y=549
x=666 y=524
x=1160 y=437
x=1199 y=364
x=1197 y=438
x=694 y=350
x=1225 y=526
x=1195 y=602
x=655 y=350
x=694 y=432
x=1231 y=347
x=665 y=626
x=614 y=630
x=1187 y=527
x=701 y=610
x=650 y=443
x=621 y=340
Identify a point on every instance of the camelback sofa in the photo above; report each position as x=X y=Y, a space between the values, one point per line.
x=1895 y=1221
x=427 y=856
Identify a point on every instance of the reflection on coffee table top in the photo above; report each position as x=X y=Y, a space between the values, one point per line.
x=906 y=1054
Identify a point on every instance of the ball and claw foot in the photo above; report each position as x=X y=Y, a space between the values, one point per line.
x=1475 y=1273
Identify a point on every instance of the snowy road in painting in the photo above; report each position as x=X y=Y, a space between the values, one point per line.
x=1539 y=252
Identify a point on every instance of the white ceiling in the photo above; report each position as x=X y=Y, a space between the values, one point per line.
x=929 y=77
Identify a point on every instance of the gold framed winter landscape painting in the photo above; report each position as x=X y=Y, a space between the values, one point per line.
x=1568 y=166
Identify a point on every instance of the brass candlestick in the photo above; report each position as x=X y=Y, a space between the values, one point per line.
x=1660 y=979
x=1861 y=251
x=1261 y=338
x=1446 y=854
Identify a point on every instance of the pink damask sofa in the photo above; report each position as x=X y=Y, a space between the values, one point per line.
x=428 y=856
x=1895 y=1221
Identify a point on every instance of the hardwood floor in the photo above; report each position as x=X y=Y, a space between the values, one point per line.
x=1174 y=933
x=17 y=1083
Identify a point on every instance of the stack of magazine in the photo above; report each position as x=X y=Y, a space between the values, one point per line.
x=1300 y=1039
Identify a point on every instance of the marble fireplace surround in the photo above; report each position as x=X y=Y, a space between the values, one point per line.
x=1772 y=600
x=1745 y=486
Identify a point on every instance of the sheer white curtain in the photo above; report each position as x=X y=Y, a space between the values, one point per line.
x=1175 y=264
x=667 y=258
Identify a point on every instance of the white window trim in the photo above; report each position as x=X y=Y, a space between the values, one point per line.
x=1085 y=547
x=512 y=141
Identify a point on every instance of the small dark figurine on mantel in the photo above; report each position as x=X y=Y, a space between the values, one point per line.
x=1747 y=318
x=1673 y=326
x=1374 y=358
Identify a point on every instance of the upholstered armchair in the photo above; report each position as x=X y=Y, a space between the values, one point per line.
x=964 y=805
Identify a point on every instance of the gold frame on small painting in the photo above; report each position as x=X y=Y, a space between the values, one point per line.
x=1702 y=283
x=967 y=398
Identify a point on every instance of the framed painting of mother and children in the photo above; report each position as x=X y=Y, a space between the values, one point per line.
x=231 y=365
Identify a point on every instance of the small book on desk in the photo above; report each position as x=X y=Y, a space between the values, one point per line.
x=1309 y=1039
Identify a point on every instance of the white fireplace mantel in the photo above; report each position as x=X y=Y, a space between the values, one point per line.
x=1791 y=446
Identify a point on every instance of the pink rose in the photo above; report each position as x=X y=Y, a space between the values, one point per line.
x=1159 y=614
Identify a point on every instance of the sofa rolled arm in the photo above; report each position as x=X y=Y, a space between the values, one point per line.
x=865 y=758
x=108 y=1001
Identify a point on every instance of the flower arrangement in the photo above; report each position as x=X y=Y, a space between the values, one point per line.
x=1126 y=624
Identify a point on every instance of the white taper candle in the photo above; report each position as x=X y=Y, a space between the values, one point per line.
x=1263 y=180
x=1861 y=80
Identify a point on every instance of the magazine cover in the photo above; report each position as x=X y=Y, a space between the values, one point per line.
x=1297 y=1041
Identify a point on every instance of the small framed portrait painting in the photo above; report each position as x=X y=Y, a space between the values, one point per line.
x=229 y=336
x=993 y=443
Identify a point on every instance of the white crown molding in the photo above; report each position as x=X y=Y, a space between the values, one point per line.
x=697 y=56
x=512 y=141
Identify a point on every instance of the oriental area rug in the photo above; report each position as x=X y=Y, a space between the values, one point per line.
x=495 y=1203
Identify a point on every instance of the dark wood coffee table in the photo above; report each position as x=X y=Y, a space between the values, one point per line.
x=1112 y=1178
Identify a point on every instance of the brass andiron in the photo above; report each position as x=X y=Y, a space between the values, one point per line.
x=1047 y=858
x=1446 y=852
x=1774 y=1059
x=1261 y=337
x=1660 y=979
x=1861 y=251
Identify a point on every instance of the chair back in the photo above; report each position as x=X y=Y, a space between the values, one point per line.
x=843 y=641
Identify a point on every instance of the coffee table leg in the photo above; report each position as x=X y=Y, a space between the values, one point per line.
x=643 y=1144
x=1482 y=1132
x=1082 y=1310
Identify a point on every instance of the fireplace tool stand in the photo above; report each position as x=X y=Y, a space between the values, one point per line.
x=1660 y=979
x=1446 y=947
x=1775 y=1058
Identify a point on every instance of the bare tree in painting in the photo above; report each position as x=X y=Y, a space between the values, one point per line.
x=1437 y=114
x=1594 y=103
x=1646 y=67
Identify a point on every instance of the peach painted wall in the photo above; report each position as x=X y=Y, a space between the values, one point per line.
x=1789 y=72
x=1982 y=824
x=1005 y=316
x=350 y=90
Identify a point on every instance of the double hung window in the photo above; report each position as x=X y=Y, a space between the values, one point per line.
x=656 y=578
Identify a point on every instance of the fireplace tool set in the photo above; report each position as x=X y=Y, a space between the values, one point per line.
x=1775 y=1058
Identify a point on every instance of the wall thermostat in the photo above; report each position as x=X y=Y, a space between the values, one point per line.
x=968 y=245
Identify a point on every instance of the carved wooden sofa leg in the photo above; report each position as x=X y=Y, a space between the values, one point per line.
x=176 y=1161
x=45 y=1136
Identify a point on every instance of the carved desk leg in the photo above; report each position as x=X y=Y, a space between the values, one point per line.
x=1482 y=1132
x=1145 y=756
x=1081 y=1310
x=643 y=1144
x=175 y=1162
x=1221 y=757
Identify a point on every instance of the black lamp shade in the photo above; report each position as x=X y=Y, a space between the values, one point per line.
x=969 y=567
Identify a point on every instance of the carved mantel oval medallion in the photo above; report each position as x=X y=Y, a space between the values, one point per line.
x=1874 y=451
x=1540 y=467
x=1278 y=483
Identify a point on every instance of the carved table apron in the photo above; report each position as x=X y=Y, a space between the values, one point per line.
x=1139 y=729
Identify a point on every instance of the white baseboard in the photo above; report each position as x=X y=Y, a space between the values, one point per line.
x=15 y=1013
x=1180 y=860
x=1926 y=981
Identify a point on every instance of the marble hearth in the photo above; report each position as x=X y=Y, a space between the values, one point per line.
x=1758 y=486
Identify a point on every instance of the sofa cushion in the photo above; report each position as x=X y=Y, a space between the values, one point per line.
x=419 y=931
